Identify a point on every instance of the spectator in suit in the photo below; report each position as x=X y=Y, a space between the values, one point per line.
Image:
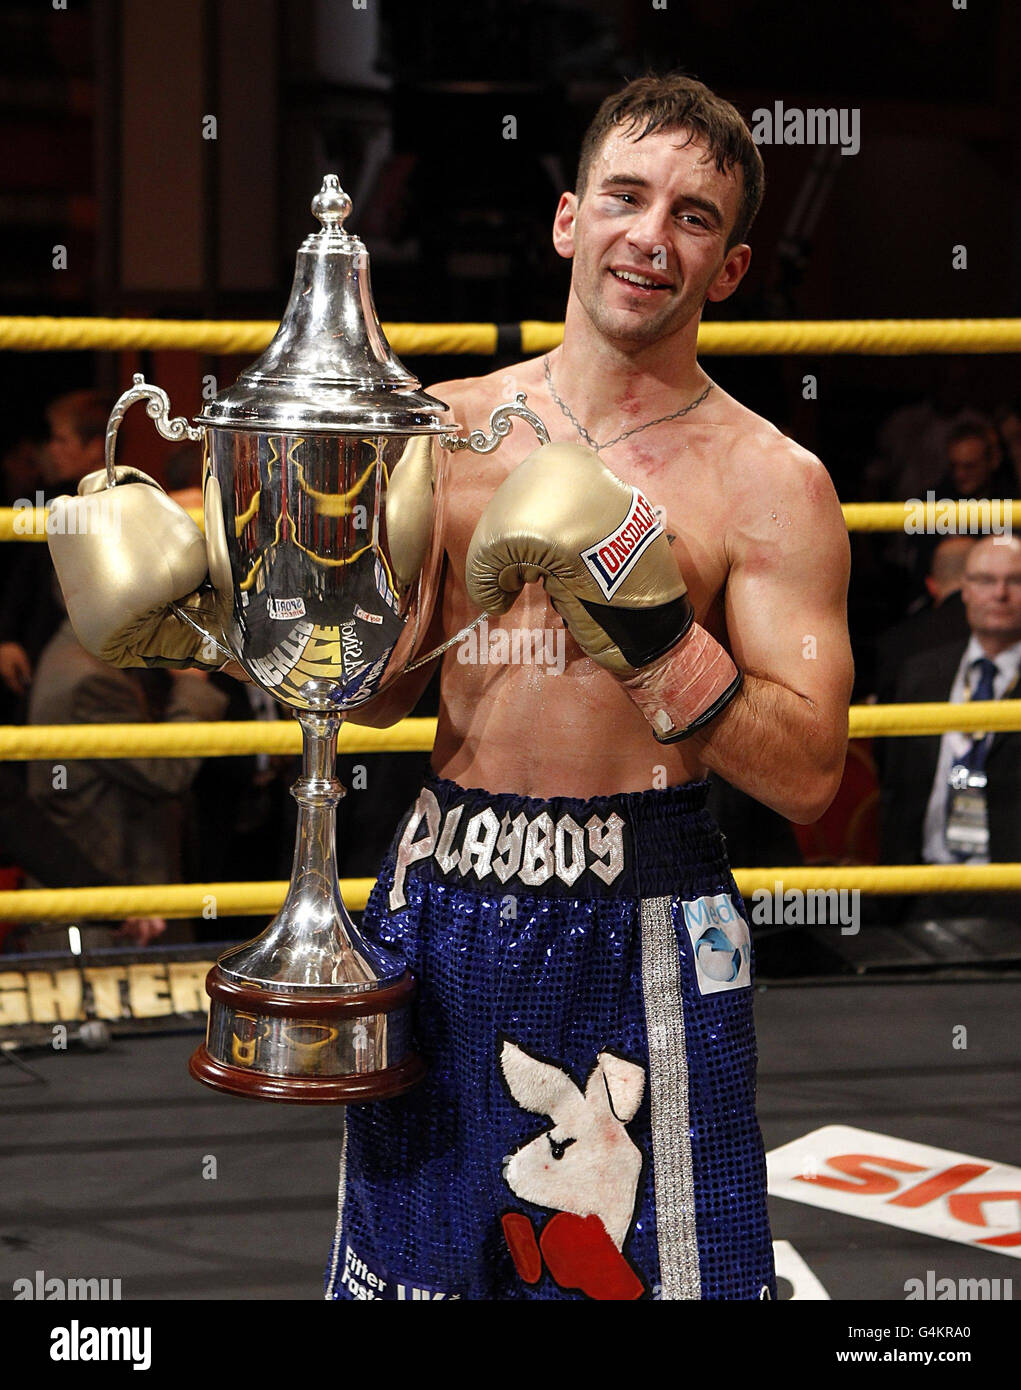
x=125 y=814
x=923 y=817
x=939 y=620
x=975 y=468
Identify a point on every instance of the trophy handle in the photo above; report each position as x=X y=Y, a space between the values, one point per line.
x=479 y=442
x=158 y=410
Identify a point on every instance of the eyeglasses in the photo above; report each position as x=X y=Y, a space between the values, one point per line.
x=989 y=581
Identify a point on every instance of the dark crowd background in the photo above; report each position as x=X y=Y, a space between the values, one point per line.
x=104 y=114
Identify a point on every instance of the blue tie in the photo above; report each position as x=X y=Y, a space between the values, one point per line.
x=975 y=758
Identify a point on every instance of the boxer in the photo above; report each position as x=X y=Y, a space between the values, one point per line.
x=587 y=1129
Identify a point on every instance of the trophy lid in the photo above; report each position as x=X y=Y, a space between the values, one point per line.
x=329 y=366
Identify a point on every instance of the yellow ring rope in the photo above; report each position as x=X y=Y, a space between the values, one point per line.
x=877 y=336
x=238 y=899
x=67 y=742
x=225 y=337
x=942 y=517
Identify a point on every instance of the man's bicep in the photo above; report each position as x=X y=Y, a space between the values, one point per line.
x=786 y=611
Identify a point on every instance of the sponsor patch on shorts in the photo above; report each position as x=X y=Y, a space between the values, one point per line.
x=367 y=617
x=610 y=560
x=364 y=1283
x=721 y=944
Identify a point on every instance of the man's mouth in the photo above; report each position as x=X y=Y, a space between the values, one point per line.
x=636 y=280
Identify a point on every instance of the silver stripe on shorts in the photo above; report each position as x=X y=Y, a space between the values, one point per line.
x=338 y=1232
x=672 y=1172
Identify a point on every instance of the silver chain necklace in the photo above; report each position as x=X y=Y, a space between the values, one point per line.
x=675 y=415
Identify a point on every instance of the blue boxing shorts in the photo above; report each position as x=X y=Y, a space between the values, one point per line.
x=587 y=1126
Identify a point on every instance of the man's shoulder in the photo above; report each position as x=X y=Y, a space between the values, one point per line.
x=769 y=445
x=471 y=399
x=764 y=459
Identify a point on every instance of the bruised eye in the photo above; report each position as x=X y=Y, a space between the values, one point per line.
x=558 y=1147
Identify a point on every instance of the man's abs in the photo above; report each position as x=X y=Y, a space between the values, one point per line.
x=539 y=719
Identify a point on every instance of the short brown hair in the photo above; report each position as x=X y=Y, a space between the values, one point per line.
x=674 y=102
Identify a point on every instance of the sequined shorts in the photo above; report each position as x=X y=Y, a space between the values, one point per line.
x=587 y=1128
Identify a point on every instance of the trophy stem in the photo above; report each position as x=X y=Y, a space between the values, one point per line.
x=310 y=1011
x=312 y=942
x=315 y=878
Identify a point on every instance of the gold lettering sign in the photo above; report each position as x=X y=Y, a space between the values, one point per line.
x=13 y=998
x=147 y=991
x=55 y=996
x=106 y=990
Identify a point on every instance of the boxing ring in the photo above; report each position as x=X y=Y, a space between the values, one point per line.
x=837 y=1059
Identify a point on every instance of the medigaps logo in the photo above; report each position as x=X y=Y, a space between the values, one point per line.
x=813 y=125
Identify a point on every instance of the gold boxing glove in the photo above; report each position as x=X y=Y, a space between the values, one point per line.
x=595 y=543
x=122 y=556
x=409 y=509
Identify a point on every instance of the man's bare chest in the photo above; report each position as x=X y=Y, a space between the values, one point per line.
x=686 y=493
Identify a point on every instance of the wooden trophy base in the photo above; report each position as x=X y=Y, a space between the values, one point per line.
x=303 y=1048
x=307 y=1090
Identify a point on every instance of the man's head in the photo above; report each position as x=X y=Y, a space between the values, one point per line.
x=669 y=182
x=948 y=564
x=77 y=432
x=992 y=592
x=971 y=460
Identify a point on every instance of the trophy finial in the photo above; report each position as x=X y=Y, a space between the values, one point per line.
x=331 y=204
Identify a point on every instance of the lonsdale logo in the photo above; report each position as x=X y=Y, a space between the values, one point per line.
x=610 y=560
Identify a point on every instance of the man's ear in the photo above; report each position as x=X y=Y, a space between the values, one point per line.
x=563 y=225
x=731 y=273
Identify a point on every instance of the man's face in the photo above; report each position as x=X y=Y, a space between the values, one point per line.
x=971 y=465
x=68 y=456
x=648 y=237
x=992 y=590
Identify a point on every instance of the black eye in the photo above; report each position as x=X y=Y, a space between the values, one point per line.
x=558 y=1147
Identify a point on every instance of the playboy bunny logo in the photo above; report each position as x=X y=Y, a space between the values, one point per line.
x=584 y=1166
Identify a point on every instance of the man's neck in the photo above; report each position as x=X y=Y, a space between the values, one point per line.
x=617 y=384
x=995 y=643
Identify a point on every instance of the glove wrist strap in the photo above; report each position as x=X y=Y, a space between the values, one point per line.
x=684 y=690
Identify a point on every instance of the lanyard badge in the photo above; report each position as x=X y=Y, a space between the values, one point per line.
x=967 y=827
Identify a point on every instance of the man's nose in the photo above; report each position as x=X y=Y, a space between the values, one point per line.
x=649 y=232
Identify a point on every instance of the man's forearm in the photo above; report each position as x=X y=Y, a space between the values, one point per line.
x=774 y=744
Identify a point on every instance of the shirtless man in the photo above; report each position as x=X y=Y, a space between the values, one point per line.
x=583 y=959
x=521 y=1017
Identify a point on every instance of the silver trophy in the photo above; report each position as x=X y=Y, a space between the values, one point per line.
x=321 y=491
